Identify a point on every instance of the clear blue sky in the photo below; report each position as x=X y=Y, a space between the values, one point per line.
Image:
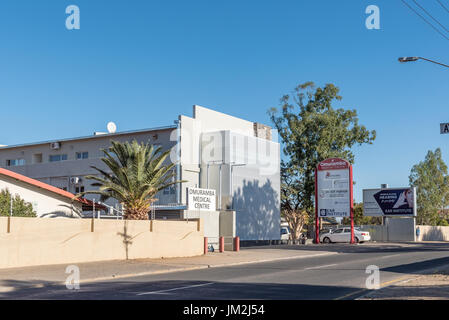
x=141 y=63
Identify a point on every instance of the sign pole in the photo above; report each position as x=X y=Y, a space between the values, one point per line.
x=351 y=203
x=317 y=225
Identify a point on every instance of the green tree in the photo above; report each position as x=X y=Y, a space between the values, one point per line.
x=20 y=208
x=432 y=189
x=137 y=175
x=360 y=219
x=311 y=130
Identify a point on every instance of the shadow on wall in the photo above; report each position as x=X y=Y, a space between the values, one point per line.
x=68 y=213
x=257 y=211
x=432 y=234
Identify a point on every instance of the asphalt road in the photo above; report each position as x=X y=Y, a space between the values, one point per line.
x=338 y=276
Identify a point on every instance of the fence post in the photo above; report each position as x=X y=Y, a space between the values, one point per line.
x=237 y=244
x=92 y=224
x=205 y=245
x=221 y=245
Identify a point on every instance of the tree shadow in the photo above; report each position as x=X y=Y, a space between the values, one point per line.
x=360 y=248
x=434 y=234
x=421 y=267
x=257 y=211
x=418 y=292
x=62 y=214
x=126 y=238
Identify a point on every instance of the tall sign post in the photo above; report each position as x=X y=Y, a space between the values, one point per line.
x=333 y=192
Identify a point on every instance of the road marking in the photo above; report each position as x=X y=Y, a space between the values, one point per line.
x=180 y=288
x=319 y=267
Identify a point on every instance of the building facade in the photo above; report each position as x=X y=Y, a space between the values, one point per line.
x=211 y=150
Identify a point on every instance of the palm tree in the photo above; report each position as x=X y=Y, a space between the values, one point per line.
x=137 y=175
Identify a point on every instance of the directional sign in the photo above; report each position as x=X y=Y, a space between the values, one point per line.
x=444 y=128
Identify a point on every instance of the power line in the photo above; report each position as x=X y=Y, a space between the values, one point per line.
x=421 y=7
x=444 y=7
x=425 y=20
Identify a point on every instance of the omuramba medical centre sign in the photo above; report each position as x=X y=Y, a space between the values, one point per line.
x=201 y=199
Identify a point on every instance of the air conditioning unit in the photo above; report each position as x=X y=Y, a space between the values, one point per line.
x=75 y=180
x=55 y=145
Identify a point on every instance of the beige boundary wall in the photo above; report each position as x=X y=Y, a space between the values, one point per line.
x=430 y=233
x=36 y=241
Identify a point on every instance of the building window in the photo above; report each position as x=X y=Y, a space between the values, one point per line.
x=171 y=189
x=37 y=158
x=57 y=157
x=79 y=189
x=82 y=155
x=15 y=162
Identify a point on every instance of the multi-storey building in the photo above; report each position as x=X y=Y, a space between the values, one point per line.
x=211 y=150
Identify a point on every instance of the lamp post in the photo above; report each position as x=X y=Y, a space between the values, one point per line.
x=413 y=59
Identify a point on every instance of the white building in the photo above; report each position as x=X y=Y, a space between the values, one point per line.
x=47 y=201
x=212 y=150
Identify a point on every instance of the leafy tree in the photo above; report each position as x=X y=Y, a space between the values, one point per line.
x=137 y=175
x=360 y=219
x=432 y=189
x=311 y=131
x=20 y=208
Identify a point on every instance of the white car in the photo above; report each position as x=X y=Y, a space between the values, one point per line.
x=344 y=235
x=285 y=234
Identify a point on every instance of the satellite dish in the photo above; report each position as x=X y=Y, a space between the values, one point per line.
x=112 y=127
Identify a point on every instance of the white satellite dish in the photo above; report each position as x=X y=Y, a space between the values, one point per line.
x=112 y=128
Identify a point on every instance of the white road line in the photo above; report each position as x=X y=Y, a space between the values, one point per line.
x=180 y=288
x=319 y=267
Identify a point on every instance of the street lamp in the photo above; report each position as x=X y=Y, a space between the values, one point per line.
x=413 y=59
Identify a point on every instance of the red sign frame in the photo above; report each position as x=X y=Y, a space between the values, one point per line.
x=334 y=164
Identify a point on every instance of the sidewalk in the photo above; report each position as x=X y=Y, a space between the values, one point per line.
x=95 y=271
x=434 y=286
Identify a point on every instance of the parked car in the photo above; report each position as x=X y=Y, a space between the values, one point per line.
x=285 y=234
x=344 y=235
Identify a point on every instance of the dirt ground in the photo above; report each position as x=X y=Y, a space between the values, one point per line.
x=421 y=287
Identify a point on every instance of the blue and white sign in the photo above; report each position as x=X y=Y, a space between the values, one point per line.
x=389 y=202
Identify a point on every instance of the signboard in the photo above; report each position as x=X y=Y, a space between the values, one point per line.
x=389 y=202
x=444 y=128
x=201 y=199
x=334 y=188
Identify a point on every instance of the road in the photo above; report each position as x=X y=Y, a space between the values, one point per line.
x=337 y=276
